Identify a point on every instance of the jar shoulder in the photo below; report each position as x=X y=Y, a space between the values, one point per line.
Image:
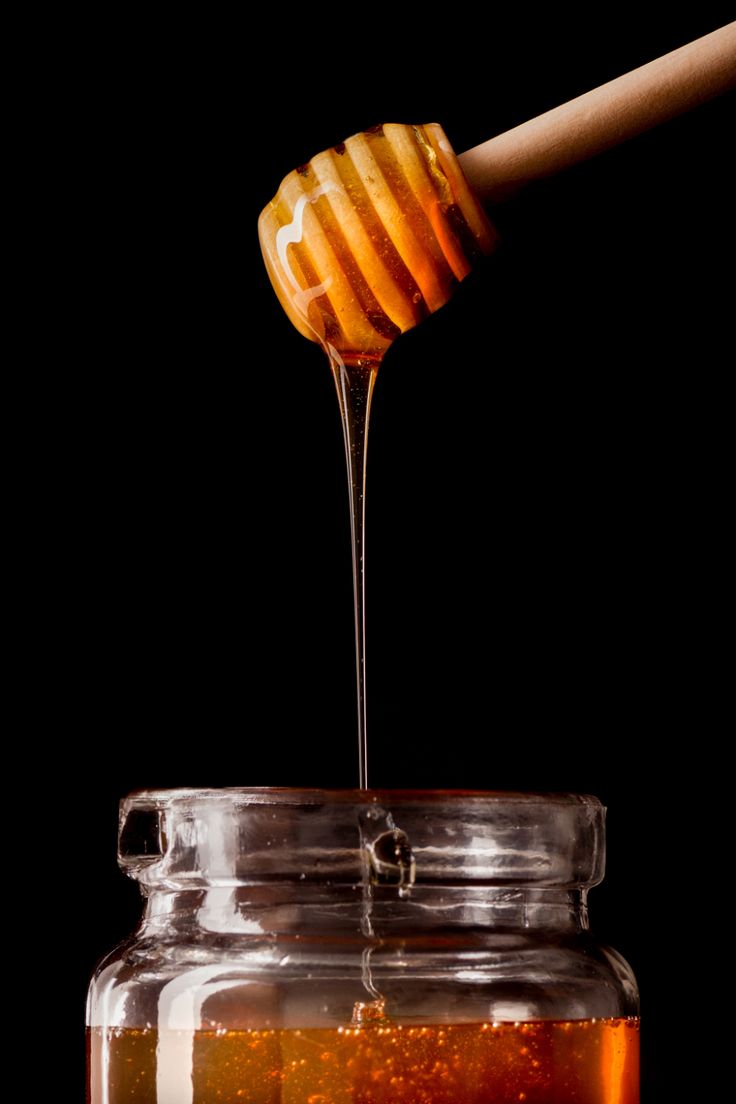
x=496 y=976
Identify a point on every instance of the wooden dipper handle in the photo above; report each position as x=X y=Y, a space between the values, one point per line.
x=600 y=119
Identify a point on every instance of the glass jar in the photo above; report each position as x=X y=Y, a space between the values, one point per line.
x=363 y=947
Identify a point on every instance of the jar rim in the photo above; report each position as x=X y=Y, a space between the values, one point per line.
x=290 y=795
x=240 y=836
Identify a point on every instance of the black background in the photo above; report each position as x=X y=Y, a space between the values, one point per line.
x=547 y=494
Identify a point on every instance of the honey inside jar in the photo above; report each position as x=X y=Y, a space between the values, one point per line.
x=541 y=1062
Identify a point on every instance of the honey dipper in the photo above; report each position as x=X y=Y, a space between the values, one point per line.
x=372 y=236
x=369 y=237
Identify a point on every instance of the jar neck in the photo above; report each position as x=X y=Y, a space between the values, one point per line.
x=317 y=911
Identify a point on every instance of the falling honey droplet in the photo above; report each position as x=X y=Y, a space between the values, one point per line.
x=368 y=1012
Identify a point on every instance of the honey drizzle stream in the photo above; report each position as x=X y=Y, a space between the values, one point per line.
x=355 y=382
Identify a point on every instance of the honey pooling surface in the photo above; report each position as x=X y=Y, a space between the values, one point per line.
x=583 y=1061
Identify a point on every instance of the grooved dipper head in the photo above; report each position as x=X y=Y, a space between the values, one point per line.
x=371 y=236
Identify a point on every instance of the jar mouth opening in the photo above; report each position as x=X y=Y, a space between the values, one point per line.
x=309 y=796
x=257 y=835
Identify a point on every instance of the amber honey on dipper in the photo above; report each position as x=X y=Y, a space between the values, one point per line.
x=370 y=237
